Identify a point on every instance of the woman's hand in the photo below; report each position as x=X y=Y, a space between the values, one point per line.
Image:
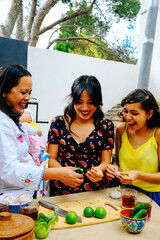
x=69 y=177
x=127 y=178
x=111 y=171
x=95 y=174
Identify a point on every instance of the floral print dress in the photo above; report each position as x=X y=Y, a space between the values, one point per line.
x=86 y=154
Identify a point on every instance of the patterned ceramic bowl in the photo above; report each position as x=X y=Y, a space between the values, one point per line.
x=131 y=225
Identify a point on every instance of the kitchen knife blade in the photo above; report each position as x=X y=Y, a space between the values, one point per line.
x=61 y=212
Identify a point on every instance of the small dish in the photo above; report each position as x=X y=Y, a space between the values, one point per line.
x=14 y=208
x=3 y=207
x=30 y=209
x=116 y=193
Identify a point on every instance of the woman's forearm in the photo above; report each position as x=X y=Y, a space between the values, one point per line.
x=53 y=163
x=51 y=173
x=149 y=177
x=66 y=175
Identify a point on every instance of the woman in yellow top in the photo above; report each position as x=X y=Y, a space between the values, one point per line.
x=137 y=144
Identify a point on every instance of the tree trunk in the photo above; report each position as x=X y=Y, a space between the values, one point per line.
x=11 y=18
x=70 y=16
x=46 y=7
x=19 y=23
x=74 y=38
x=30 y=21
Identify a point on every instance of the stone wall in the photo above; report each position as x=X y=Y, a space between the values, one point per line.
x=114 y=114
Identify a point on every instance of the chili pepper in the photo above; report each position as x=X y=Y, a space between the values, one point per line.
x=80 y=170
x=141 y=213
x=138 y=206
x=92 y=169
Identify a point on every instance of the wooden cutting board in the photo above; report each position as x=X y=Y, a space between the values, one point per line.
x=113 y=212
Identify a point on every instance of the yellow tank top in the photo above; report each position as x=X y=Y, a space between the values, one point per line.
x=144 y=159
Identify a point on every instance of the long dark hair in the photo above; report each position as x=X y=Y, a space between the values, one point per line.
x=10 y=75
x=93 y=87
x=148 y=102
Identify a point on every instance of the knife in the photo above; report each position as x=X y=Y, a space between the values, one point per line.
x=61 y=212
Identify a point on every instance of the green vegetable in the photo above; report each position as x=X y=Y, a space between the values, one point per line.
x=41 y=215
x=93 y=169
x=80 y=170
x=44 y=224
x=41 y=231
x=138 y=206
x=41 y=218
x=88 y=211
x=71 y=217
x=141 y=213
x=53 y=216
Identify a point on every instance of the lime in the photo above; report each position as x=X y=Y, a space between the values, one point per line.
x=88 y=212
x=80 y=170
x=71 y=217
x=100 y=212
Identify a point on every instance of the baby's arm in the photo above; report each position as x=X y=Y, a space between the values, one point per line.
x=39 y=132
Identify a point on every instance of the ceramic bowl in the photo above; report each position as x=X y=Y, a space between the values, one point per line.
x=131 y=225
x=13 y=208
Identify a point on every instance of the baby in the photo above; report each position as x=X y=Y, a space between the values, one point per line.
x=27 y=120
x=36 y=141
x=36 y=147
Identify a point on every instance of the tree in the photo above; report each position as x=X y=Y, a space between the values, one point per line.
x=86 y=35
x=76 y=34
x=30 y=27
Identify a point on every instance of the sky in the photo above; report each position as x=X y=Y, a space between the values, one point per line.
x=54 y=14
x=123 y=29
x=120 y=29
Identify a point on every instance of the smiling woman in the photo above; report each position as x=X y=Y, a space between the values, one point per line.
x=16 y=87
x=81 y=138
x=19 y=95
x=137 y=144
x=18 y=170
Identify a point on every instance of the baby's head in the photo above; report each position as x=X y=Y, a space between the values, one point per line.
x=26 y=116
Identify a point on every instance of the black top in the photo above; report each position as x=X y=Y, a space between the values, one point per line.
x=85 y=155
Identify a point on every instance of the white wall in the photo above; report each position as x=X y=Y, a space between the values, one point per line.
x=53 y=73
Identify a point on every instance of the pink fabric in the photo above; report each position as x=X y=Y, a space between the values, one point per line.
x=20 y=138
x=36 y=144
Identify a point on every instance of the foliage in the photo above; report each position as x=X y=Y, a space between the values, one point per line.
x=82 y=30
x=83 y=47
x=126 y=8
x=91 y=30
x=88 y=26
